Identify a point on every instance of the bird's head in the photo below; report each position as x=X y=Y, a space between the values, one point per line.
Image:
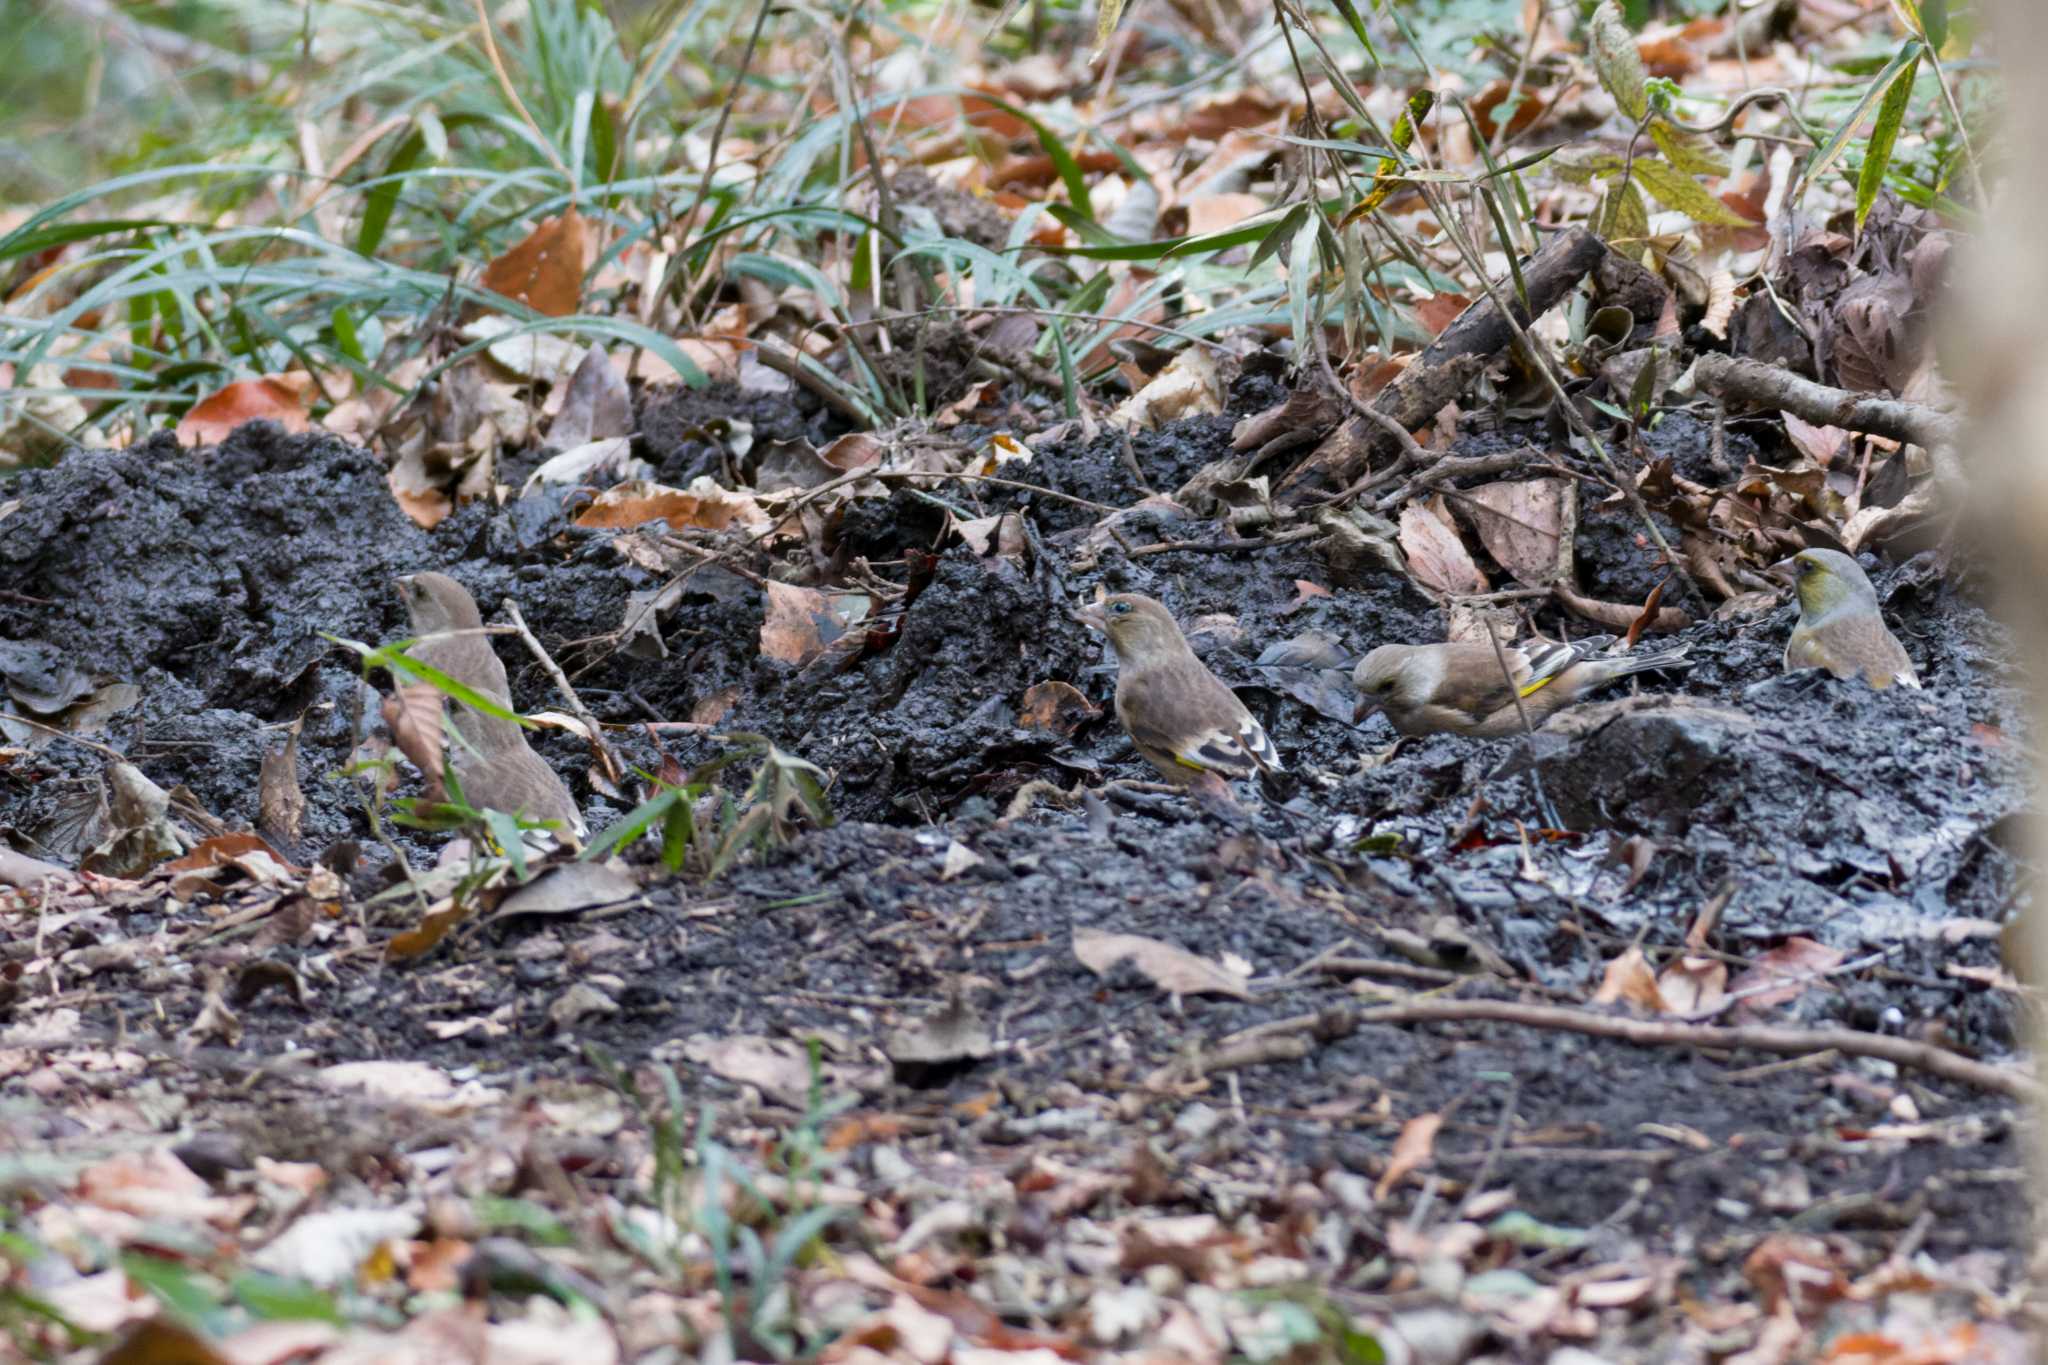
x=1394 y=677
x=1137 y=626
x=437 y=603
x=1827 y=579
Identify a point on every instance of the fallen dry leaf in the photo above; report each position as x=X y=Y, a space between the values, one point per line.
x=1173 y=969
x=1437 y=558
x=1414 y=1149
x=544 y=272
x=1793 y=966
x=802 y=623
x=1629 y=978
x=1057 y=706
x=1528 y=526
x=279 y=398
x=703 y=504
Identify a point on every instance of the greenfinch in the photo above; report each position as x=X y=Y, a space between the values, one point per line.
x=1460 y=689
x=497 y=768
x=1180 y=716
x=1840 y=627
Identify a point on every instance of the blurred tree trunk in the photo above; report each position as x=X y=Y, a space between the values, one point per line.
x=1996 y=349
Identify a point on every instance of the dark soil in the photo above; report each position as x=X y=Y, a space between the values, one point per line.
x=1874 y=823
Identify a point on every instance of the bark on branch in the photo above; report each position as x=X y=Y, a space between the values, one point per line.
x=1766 y=386
x=1441 y=372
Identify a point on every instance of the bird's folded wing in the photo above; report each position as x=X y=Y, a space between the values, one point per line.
x=1548 y=659
x=1472 y=683
x=1861 y=641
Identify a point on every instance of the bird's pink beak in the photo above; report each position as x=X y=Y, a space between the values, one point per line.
x=1091 y=616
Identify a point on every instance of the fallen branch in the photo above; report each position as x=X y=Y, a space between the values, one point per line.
x=1619 y=615
x=1758 y=1038
x=1439 y=375
x=1224 y=547
x=1756 y=384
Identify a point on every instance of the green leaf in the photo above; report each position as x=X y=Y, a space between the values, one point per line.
x=1616 y=60
x=1689 y=153
x=382 y=200
x=1934 y=23
x=678 y=832
x=1831 y=150
x=178 y=1287
x=1280 y=237
x=1675 y=189
x=637 y=822
x=1877 y=157
x=1358 y=30
x=274 y=1298
x=345 y=334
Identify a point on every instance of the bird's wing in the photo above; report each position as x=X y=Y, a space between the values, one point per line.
x=1860 y=641
x=1472 y=683
x=1184 y=711
x=1548 y=659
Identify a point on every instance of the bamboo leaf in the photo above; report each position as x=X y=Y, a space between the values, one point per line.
x=1877 y=155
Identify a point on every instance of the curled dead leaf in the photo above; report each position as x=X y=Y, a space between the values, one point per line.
x=1436 y=557
x=1059 y=707
x=703 y=504
x=1173 y=969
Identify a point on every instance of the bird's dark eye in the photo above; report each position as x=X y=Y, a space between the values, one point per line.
x=1121 y=608
x=1387 y=685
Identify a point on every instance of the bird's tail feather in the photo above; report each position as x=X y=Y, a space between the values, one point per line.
x=1649 y=661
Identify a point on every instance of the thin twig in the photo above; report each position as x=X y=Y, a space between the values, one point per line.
x=511 y=93
x=1294 y=537
x=1515 y=690
x=612 y=771
x=811 y=495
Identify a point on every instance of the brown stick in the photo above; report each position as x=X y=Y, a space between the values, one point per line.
x=1767 y=386
x=1760 y=1038
x=1439 y=374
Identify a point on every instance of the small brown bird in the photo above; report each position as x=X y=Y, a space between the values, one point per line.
x=1840 y=627
x=1179 y=715
x=1459 y=688
x=497 y=768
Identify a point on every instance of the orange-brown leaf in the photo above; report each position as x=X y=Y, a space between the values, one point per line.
x=280 y=398
x=544 y=272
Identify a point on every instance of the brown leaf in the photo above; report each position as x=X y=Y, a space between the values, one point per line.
x=162 y=1341
x=703 y=504
x=596 y=407
x=1528 y=526
x=1173 y=969
x=1439 y=311
x=1629 y=978
x=1692 y=984
x=1001 y=534
x=413 y=715
x=1645 y=618
x=423 y=937
x=1436 y=557
x=802 y=623
x=1414 y=1149
x=280 y=801
x=279 y=398
x=855 y=450
x=544 y=272
x=1057 y=706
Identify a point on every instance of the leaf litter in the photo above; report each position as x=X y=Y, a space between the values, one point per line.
x=756 y=1108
